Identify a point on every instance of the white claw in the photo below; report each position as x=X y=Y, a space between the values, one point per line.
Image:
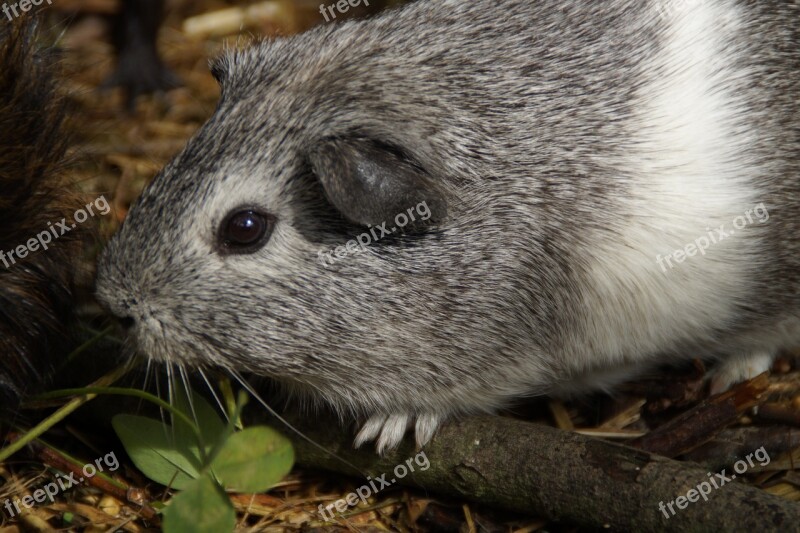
x=370 y=429
x=425 y=428
x=389 y=430
x=393 y=430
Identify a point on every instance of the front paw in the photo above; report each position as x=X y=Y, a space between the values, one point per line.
x=738 y=369
x=388 y=430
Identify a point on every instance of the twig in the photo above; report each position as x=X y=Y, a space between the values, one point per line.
x=60 y=415
x=538 y=470
x=699 y=424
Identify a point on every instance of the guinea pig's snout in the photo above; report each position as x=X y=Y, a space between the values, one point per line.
x=127 y=312
x=134 y=316
x=123 y=308
x=127 y=322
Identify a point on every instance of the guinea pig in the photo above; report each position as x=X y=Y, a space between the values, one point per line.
x=609 y=186
x=38 y=259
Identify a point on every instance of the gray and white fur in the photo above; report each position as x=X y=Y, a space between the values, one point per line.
x=561 y=145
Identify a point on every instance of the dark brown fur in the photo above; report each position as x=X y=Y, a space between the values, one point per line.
x=36 y=292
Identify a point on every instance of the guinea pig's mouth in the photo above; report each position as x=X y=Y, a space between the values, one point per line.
x=150 y=339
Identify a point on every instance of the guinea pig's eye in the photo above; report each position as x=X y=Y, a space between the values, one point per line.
x=245 y=231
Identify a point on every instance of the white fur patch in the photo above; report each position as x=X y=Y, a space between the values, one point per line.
x=693 y=177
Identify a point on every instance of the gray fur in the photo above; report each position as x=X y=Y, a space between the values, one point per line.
x=543 y=124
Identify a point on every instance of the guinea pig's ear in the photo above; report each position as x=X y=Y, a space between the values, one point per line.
x=370 y=183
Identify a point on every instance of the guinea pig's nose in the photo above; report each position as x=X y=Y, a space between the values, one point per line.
x=127 y=322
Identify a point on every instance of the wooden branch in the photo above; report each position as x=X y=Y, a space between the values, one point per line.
x=546 y=472
x=730 y=445
x=699 y=424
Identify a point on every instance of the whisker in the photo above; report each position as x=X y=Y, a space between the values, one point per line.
x=160 y=397
x=186 y=386
x=171 y=396
x=214 y=394
x=302 y=435
x=147 y=370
